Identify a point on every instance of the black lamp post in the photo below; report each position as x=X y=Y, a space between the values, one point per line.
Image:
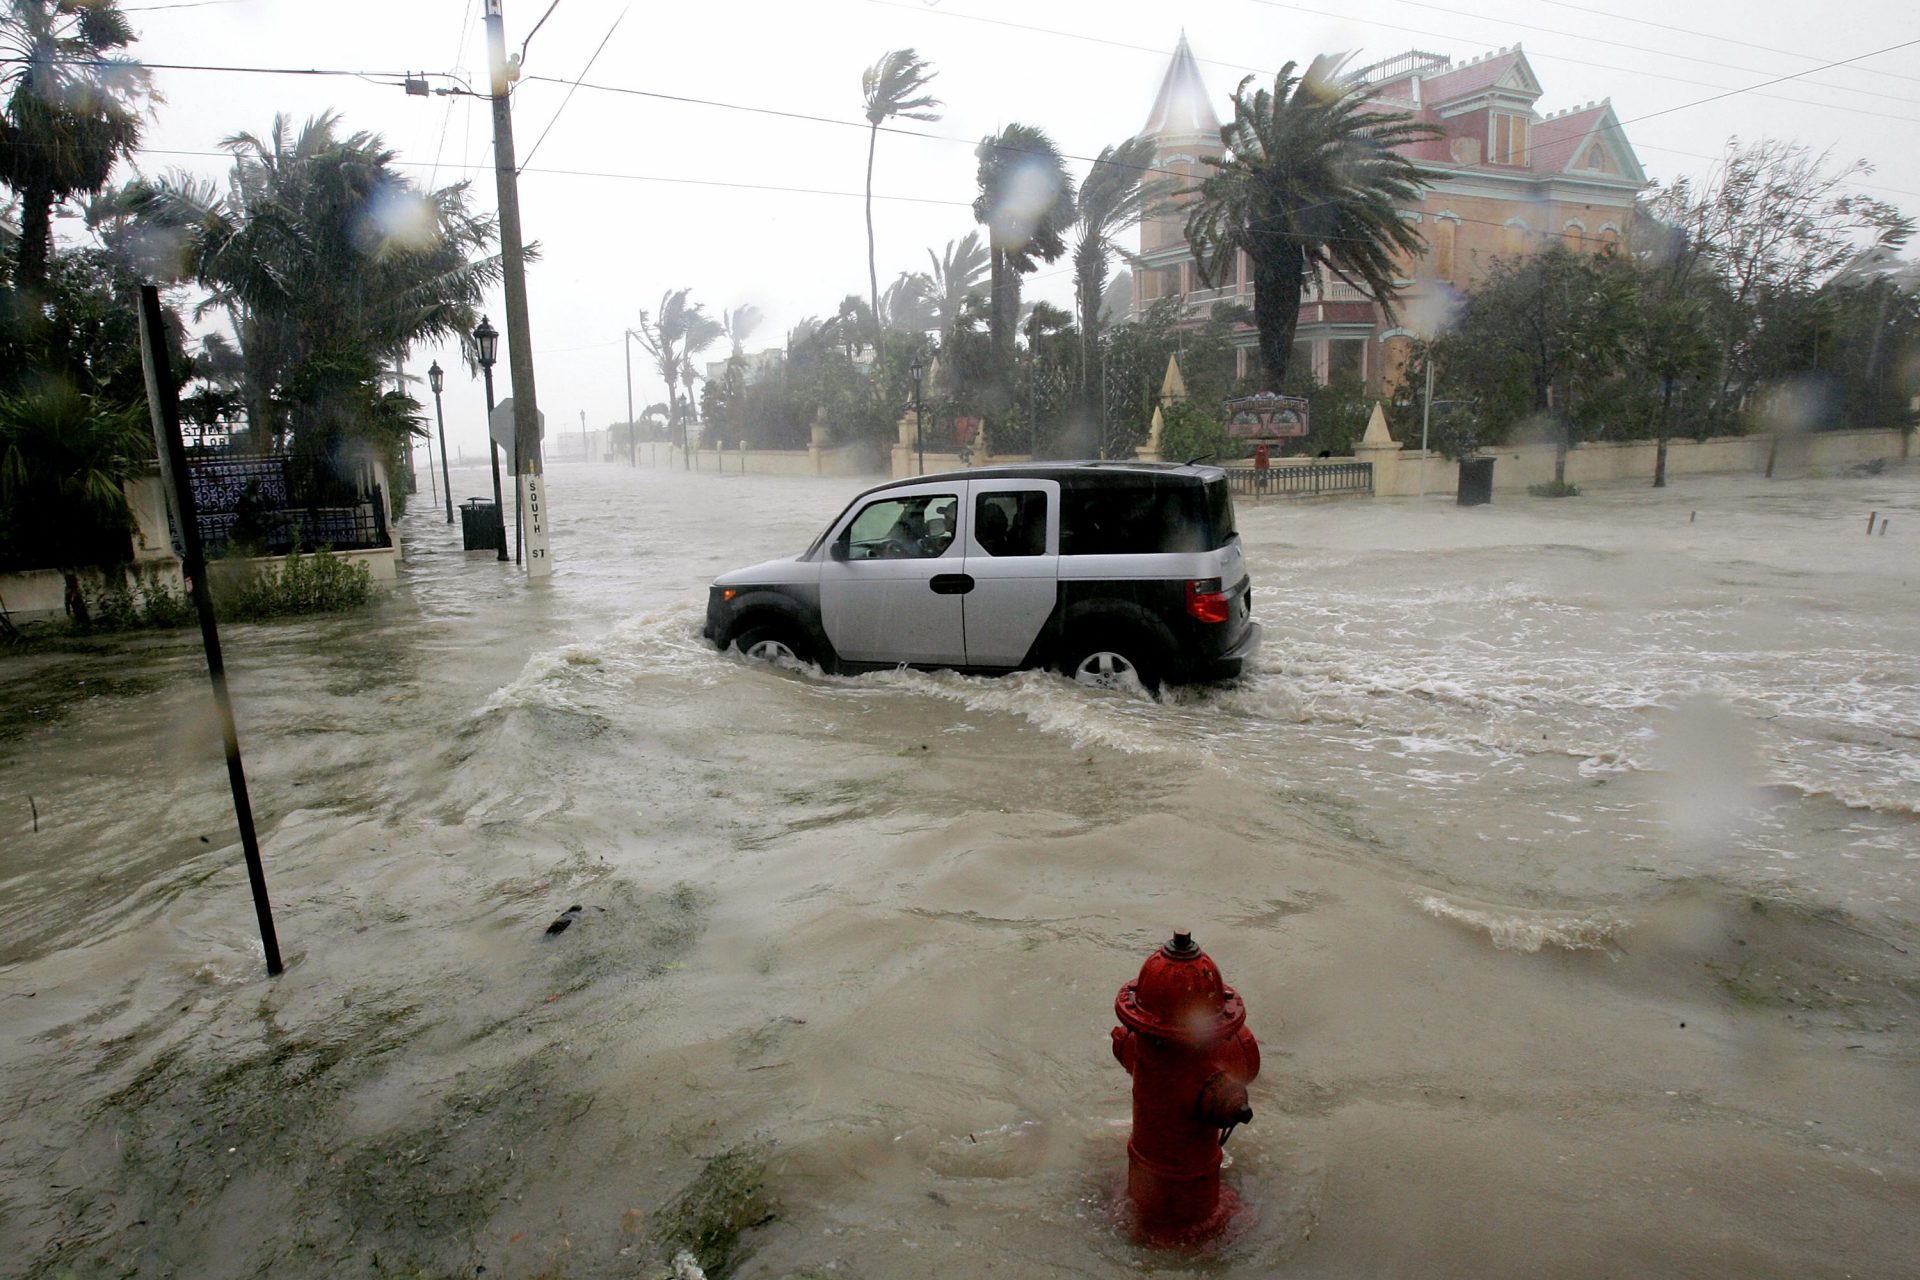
x=919 y=426
x=437 y=379
x=486 y=340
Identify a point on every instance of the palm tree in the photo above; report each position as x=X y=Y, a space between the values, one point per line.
x=1114 y=198
x=894 y=89
x=675 y=334
x=1311 y=180
x=71 y=111
x=956 y=277
x=1026 y=201
x=65 y=456
x=330 y=265
x=737 y=326
x=908 y=303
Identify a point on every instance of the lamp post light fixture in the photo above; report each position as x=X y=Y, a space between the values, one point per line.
x=919 y=425
x=486 y=341
x=437 y=379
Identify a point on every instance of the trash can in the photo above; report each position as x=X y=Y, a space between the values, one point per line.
x=1476 y=482
x=480 y=528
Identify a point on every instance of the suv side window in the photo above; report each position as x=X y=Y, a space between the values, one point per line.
x=918 y=527
x=1013 y=523
x=1108 y=520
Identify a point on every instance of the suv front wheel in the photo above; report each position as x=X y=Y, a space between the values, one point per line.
x=1121 y=661
x=774 y=643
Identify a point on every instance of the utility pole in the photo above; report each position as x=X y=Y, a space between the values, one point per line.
x=526 y=409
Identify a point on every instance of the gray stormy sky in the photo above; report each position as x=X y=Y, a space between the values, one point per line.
x=616 y=234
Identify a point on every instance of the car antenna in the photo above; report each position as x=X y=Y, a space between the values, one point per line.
x=1205 y=457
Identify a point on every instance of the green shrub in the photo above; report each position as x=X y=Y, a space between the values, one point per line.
x=1554 y=489
x=127 y=599
x=323 y=582
x=1188 y=433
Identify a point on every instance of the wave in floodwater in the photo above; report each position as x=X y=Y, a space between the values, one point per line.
x=1520 y=929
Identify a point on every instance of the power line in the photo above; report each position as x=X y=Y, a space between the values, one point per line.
x=746 y=186
x=1578 y=62
x=1708 y=35
x=1065 y=35
x=466 y=24
x=575 y=85
x=1698 y=155
x=1635 y=48
x=1667 y=111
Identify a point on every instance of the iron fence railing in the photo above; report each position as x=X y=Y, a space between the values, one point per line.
x=1302 y=479
x=258 y=505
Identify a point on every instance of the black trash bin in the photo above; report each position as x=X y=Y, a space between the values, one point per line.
x=480 y=528
x=1476 y=482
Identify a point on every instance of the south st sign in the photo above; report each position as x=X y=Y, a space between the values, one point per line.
x=533 y=496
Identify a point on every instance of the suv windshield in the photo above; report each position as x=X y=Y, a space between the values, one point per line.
x=1108 y=520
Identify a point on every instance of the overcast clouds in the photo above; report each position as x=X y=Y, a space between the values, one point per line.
x=615 y=243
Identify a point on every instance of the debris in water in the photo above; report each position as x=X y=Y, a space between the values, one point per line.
x=723 y=1203
x=565 y=920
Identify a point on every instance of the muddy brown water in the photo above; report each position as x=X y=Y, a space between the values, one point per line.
x=1565 y=853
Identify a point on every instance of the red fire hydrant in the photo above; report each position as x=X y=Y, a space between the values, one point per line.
x=1183 y=1038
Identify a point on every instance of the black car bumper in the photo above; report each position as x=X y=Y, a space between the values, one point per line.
x=1230 y=665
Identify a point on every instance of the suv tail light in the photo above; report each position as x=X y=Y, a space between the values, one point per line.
x=1206 y=601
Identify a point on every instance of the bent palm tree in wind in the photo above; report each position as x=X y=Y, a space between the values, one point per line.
x=737 y=326
x=1115 y=197
x=1026 y=202
x=71 y=110
x=1311 y=180
x=894 y=90
x=956 y=277
x=673 y=336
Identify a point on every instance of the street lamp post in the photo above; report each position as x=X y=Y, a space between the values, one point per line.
x=486 y=339
x=437 y=379
x=1426 y=416
x=633 y=435
x=919 y=424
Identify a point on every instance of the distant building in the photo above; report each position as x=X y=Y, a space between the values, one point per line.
x=1505 y=179
x=758 y=365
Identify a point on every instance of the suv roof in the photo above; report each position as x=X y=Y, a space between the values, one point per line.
x=1087 y=474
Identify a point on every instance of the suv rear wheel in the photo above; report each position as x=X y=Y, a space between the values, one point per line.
x=1121 y=661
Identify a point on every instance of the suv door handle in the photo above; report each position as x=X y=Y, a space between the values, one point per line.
x=950 y=584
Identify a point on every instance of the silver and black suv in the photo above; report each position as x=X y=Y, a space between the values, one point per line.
x=1111 y=572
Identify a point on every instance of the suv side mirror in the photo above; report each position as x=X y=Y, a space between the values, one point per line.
x=838 y=549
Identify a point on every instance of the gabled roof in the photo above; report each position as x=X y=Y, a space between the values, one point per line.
x=1507 y=69
x=1562 y=143
x=1182 y=106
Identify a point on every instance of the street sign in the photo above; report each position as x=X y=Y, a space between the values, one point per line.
x=500 y=426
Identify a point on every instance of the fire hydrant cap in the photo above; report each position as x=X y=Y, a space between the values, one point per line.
x=1180 y=995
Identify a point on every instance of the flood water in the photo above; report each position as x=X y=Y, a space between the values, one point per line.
x=1566 y=854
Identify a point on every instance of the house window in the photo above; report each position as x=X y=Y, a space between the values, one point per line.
x=1445 y=232
x=1508 y=144
x=1396 y=353
x=1346 y=360
x=1169 y=278
x=1516 y=236
x=1598 y=159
